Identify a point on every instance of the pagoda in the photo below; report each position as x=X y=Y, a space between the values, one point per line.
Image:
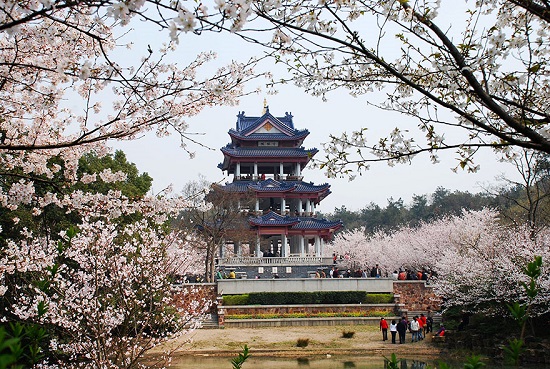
x=266 y=159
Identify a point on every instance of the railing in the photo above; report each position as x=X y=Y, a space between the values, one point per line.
x=259 y=177
x=290 y=260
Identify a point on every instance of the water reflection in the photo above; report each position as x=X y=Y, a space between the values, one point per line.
x=302 y=361
x=334 y=362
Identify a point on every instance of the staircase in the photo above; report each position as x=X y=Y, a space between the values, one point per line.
x=209 y=321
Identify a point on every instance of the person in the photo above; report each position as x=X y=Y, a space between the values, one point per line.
x=414 y=329
x=393 y=330
x=424 y=321
x=335 y=273
x=375 y=272
x=402 y=329
x=429 y=322
x=423 y=325
x=232 y=275
x=334 y=258
x=402 y=275
x=441 y=331
x=384 y=329
x=420 y=334
x=395 y=275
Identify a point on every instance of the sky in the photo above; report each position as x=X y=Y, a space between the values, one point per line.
x=167 y=163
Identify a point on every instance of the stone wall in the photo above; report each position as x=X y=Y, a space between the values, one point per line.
x=410 y=296
x=416 y=296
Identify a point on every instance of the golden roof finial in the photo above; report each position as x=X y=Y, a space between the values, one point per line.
x=265 y=106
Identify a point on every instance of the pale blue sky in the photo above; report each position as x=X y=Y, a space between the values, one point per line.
x=167 y=163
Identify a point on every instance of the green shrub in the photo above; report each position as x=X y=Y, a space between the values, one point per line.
x=305 y=298
x=308 y=298
x=379 y=298
x=231 y=300
x=348 y=334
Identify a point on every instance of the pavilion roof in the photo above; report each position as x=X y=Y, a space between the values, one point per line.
x=271 y=185
x=272 y=219
x=243 y=152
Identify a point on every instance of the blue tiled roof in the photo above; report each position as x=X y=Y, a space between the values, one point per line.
x=297 y=135
x=246 y=124
x=273 y=219
x=315 y=223
x=270 y=185
x=244 y=152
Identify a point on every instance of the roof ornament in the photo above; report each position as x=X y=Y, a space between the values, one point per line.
x=266 y=107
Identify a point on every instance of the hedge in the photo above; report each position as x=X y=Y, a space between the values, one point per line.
x=306 y=298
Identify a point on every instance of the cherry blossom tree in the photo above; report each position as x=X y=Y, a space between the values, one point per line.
x=473 y=74
x=102 y=291
x=64 y=92
x=99 y=294
x=477 y=262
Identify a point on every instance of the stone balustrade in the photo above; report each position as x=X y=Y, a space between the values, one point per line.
x=271 y=261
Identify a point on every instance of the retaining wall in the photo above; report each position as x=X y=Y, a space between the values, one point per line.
x=409 y=296
x=416 y=296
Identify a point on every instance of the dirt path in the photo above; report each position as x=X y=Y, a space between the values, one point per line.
x=281 y=342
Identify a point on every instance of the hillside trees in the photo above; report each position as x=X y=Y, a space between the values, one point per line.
x=423 y=208
x=527 y=200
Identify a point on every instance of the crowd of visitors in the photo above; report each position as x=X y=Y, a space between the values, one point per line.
x=418 y=327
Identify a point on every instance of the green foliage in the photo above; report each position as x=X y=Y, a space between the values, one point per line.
x=513 y=351
x=10 y=351
x=393 y=362
x=302 y=342
x=232 y=300
x=423 y=208
x=474 y=362
x=519 y=312
x=304 y=298
x=135 y=185
x=54 y=219
x=22 y=345
x=239 y=360
x=379 y=298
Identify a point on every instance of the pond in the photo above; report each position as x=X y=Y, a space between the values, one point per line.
x=333 y=362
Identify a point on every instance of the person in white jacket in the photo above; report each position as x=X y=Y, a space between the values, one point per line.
x=415 y=329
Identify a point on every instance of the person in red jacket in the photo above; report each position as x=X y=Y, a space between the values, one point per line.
x=384 y=329
x=423 y=325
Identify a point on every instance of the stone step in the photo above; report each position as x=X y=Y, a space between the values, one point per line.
x=210 y=322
